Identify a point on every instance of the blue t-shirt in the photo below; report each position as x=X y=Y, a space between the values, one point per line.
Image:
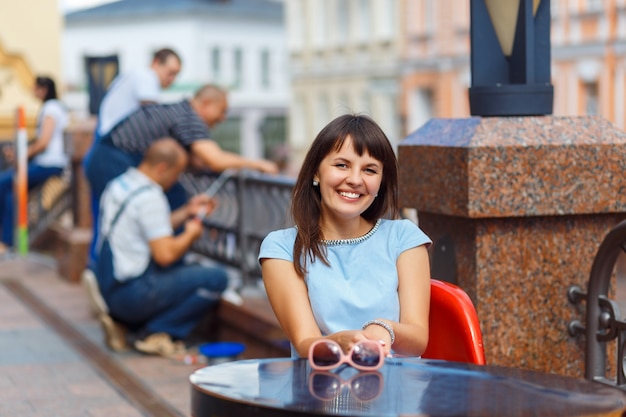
x=361 y=282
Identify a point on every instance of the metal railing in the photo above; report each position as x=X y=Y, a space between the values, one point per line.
x=250 y=205
x=603 y=322
x=46 y=202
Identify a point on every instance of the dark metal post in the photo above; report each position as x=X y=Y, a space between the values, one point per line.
x=518 y=84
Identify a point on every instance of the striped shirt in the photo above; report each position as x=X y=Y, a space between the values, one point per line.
x=177 y=120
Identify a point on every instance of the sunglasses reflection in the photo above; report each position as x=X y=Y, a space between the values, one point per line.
x=364 y=386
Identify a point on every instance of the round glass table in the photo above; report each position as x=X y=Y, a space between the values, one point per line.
x=402 y=387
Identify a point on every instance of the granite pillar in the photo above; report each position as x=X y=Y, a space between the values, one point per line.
x=517 y=208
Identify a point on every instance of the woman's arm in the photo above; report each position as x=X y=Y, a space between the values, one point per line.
x=289 y=298
x=411 y=333
x=41 y=143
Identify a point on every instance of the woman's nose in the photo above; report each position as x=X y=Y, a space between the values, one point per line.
x=354 y=178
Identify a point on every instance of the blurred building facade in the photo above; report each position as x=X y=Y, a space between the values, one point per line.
x=588 y=39
x=406 y=61
x=436 y=67
x=589 y=58
x=237 y=44
x=30 y=35
x=345 y=57
x=401 y=61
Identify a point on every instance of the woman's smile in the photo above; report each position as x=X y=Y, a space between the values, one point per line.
x=349 y=195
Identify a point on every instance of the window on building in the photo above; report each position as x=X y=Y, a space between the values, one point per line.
x=216 y=65
x=363 y=21
x=100 y=70
x=265 y=68
x=554 y=8
x=322 y=112
x=593 y=5
x=385 y=19
x=343 y=103
x=387 y=117
x=319 y=23
x=237 y=68
x=343 y=22
x=365 y=104
x=430 y=17
x=296 y=24
x=274 y=131
x=298 y=122
x=421 y=106
x=228 y=134
x=592 y=105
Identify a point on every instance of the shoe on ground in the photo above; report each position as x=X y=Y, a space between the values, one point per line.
x=96 y=302
x=160 y=344
x=114 y=333
x=232 y=296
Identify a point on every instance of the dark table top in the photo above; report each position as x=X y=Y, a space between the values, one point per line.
x=402 y=387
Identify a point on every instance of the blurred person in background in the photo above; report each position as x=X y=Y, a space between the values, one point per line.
x=189 y=123
x=46 y=154
x=136 y=88
x=145 y=288
x=127 y=93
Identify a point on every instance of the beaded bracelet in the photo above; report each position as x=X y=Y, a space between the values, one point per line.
x=384 y=326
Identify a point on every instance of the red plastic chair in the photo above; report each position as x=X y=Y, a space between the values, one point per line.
x=454 y=330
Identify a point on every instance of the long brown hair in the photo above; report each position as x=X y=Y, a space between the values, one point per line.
x=306 y=199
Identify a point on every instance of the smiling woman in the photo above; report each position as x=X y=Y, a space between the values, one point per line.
x=349 y=271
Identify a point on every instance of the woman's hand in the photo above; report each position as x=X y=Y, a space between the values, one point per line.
x=379 y=333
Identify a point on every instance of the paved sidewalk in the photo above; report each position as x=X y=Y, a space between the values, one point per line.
x=45 y=372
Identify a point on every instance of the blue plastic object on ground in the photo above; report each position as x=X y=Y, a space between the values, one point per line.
x=221 y=349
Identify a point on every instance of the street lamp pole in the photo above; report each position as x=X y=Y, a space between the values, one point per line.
x=510 y=58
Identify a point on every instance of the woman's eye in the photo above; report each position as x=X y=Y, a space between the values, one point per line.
x=341 y=165
x=371 y=171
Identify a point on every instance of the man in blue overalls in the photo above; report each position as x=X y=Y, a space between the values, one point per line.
x=145 y=286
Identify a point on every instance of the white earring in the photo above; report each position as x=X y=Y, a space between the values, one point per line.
x=316 y=183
